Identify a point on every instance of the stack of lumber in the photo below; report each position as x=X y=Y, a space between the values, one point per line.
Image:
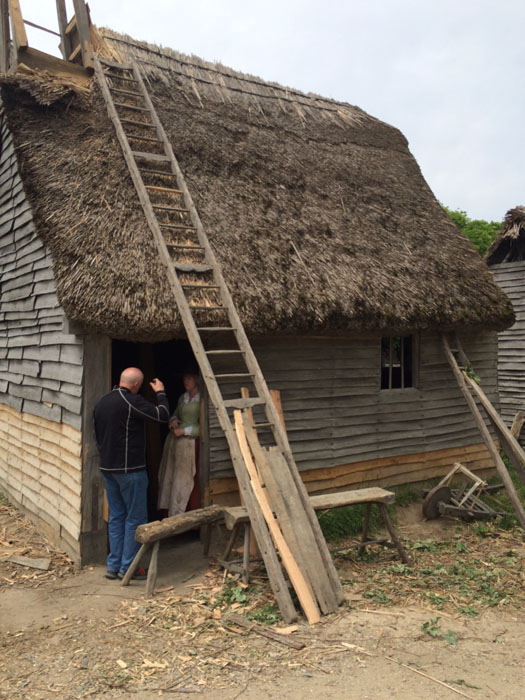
x=284 y=521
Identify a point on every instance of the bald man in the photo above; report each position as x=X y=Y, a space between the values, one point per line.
x=119 y=430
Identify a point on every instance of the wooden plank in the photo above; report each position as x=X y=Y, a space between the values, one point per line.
x=84 y=33
x=276 y=398
x=41 y=563
x=294 y=522
x=17 y=22
x=508 y=441
x=296 y=530
x=348 y=498
x=498 y=462
x=96 y=381
x=4 y=36
x=296 y=577
x=326 y=501
x=517 y=424
x=65 y=45
x=33 y=58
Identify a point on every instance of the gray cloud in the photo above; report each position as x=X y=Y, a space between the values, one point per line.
x=449 y=74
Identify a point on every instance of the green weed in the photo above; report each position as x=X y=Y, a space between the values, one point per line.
x=431 y=627
x=267 y=615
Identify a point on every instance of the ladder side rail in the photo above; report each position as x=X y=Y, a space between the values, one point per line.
x=189 y=324
x=487 y=437
x=236 y=323
x=270 y=556
x=251 y=361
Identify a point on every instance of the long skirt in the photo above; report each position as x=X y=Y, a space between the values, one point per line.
x=176 y=474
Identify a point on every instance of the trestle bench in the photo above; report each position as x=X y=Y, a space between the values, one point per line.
x=236 y=518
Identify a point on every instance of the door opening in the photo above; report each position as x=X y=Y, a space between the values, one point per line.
x=167 y=361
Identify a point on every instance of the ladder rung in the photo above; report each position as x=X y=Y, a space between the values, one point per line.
x=233 y=376
x=125 y=106
x=163 y=189
x=150 y=156
x=207 y=308
x=167 y=173
x=163 y=208
x=178 y=227
x=206 y=329
x=262 y=425
x=113 y=64
x=190 y=267
x=200 y=286
x=223 y=352
x=125 y=92
x=186 y=247
x=243 y=403
x=143 y=138
x=134 y=123
x=119 y=77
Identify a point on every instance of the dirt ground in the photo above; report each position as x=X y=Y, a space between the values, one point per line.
x=450 y=624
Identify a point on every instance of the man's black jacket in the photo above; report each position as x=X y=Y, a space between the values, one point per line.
x=119 y=428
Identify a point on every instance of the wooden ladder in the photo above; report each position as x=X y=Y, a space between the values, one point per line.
x=203 y=300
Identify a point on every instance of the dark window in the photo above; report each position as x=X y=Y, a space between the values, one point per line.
x=397 y=357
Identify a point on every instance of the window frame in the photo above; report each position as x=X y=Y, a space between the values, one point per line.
x=415 y=362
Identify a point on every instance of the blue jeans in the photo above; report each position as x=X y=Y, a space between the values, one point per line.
x=127 y=501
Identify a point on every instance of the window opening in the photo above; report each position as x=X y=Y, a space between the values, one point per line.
x=397 y=362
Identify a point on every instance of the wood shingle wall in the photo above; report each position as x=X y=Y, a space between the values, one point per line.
x=40 y=369
x=337 y=417
x=511 y=342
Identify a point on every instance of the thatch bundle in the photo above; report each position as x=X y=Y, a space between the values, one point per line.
x=509 y=245
x=317 y=212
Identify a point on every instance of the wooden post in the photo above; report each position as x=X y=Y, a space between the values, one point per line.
x=84 y=34
x=4 y=36
x=65 y=43
x=276 y=398
x=478 y=419
x=19 y=30
x=96 y=383
x=517 y=424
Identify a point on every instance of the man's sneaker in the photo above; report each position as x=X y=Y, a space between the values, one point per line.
x=112 y=575
x=141 y=574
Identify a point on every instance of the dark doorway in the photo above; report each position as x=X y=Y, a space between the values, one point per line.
x=167 y=361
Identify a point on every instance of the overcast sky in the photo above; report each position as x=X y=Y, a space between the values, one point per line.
x=448 y=73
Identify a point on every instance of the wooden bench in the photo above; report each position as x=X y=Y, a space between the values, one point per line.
x=236 y=518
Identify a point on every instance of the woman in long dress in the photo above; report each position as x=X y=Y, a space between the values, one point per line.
x=178 y=484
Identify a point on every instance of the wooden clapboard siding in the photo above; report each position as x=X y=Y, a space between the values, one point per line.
x=387 y=471
x=41 y=372
x=40 y=470
x=39 y=362
x=511 y=342
x=336 y=414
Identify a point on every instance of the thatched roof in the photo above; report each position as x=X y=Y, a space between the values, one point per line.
x=317 y=212
x=509 y=246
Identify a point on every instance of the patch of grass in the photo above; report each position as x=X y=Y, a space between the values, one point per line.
x=3 y=500
x=338 y=523
x=406 y=495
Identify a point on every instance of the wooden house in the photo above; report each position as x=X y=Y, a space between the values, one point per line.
x=343 y=266
x=506 y=258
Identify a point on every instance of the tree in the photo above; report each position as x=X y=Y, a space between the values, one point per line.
x=479 y=232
